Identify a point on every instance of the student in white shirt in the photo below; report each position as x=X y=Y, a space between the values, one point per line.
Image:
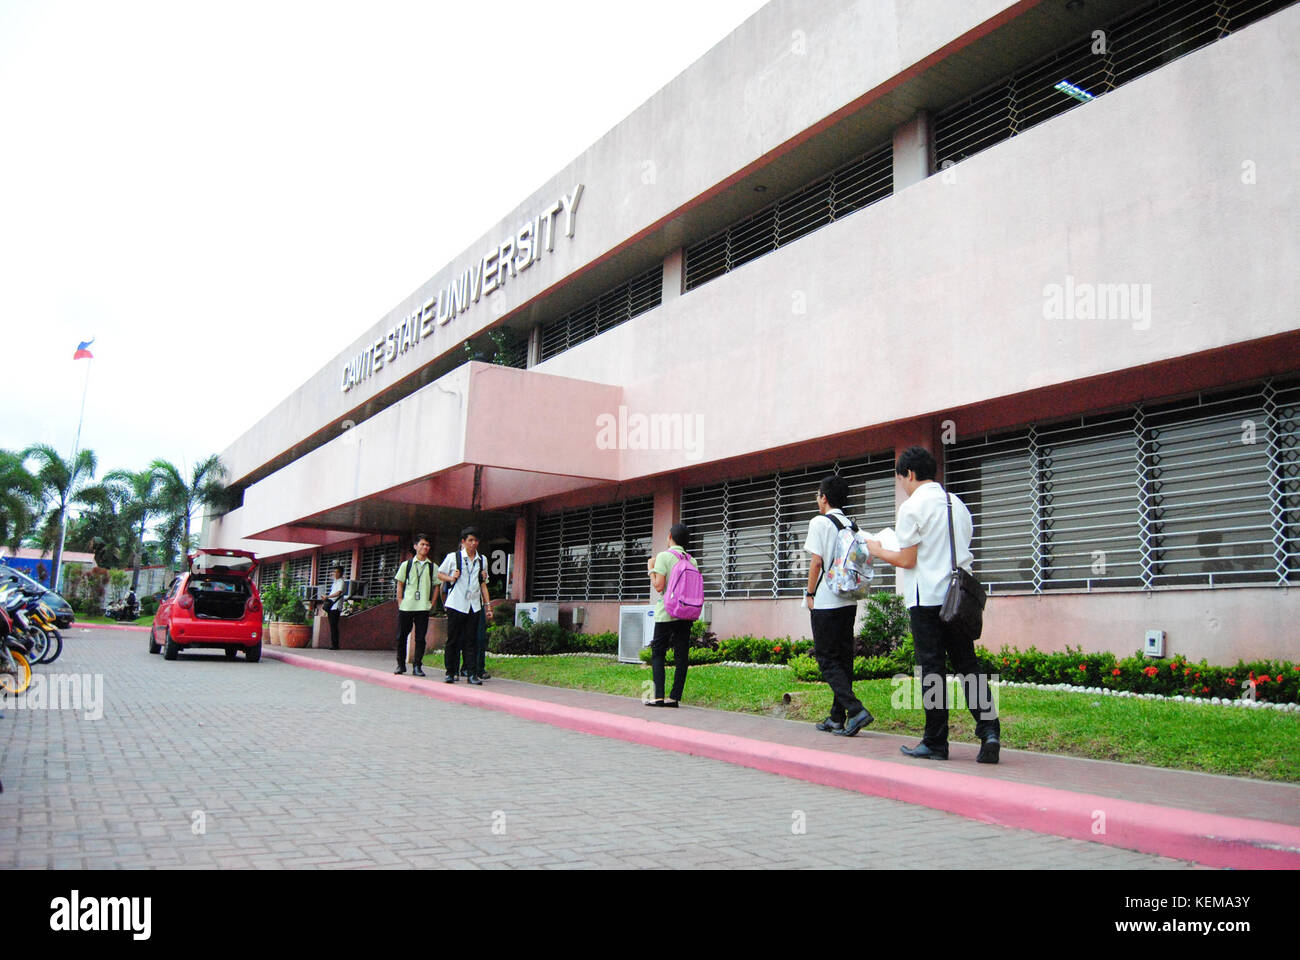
x=334 y=605
x=832 y=615
x=467 y=600
x=925 y=559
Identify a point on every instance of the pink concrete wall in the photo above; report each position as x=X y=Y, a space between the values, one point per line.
x=1221 y=625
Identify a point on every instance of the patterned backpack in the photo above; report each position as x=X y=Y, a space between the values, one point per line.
x=850 y=571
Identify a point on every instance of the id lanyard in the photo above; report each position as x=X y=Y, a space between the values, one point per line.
x=423 y=565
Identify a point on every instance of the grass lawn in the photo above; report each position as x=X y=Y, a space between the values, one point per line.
x=139 y=621
x=1263 y=744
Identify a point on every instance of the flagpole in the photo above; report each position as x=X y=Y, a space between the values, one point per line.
x=72 y=470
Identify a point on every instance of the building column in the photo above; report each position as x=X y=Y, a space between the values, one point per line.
x=913 y=151
x=519 y=565
x=667 y=511
x=674 y=275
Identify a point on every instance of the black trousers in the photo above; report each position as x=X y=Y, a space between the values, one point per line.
x=832 y=632
x=462 y=642
x=405 y=620
x=677 y=634
x=334 y=628
x=936 y=642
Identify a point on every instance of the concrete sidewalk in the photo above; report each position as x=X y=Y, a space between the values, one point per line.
x=1215 y=820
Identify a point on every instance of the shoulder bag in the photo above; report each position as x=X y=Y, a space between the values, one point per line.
x=963 y=604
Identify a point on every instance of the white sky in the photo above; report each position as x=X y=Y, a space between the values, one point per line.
x=225 y=195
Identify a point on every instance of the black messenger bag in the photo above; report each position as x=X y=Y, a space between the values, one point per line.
x=963 y=604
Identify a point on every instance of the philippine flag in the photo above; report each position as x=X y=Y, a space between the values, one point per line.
x=83 y=352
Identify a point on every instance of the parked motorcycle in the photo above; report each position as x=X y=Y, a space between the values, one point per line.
x=128 y=608
x=15 y=667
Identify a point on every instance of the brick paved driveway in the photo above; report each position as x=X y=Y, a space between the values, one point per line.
x=207 y=763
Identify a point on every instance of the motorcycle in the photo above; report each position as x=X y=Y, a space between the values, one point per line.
x=15 y=667
x=128 y=608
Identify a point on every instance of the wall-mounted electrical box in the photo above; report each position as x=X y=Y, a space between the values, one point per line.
x=1155 y=643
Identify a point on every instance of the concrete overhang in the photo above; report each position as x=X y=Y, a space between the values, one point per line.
x=483 y=437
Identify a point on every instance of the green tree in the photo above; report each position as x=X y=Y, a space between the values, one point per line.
x=20 y=499
x=139 y=494
x=180 y=498
x=60 y=483
x=101 y=528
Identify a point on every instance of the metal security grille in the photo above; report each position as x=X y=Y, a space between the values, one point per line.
x=1087 y=68
x=328 y=561
x=378 y=564
x=267 y=574
x=594 y=553
x=641 y=293
x=851 y=187
x=747 y=535
x=1201 y=491
x=300 y=571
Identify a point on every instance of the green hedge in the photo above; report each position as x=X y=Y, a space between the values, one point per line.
x=1276 y=681
x=544 y=639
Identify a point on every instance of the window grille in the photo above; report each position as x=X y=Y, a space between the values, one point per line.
x=594 y=553
x=748 y=534
x=851 y=187
x=1203 y=491
x=1088 y=68
x=267 y=574
x=378 y=564
x=641 y=293
x=328 y=561
x=300 y=571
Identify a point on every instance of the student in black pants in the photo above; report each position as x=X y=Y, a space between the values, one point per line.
x=668 y=630
x=467 y=600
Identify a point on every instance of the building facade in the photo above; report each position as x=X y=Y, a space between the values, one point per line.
x=1054 y=241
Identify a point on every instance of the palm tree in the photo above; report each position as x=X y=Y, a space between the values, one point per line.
x=138 y=492
x=60 y=484
x=103 y=529
x=181 y=499
x=20 y=499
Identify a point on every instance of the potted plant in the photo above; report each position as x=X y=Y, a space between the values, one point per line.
x=295 y=631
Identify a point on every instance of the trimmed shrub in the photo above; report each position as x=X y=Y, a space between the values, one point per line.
x=885 y=625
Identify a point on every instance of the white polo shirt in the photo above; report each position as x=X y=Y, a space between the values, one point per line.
x=465 y=595
x=923 y=519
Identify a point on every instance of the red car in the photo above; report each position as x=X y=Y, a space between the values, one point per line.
x=215 y=604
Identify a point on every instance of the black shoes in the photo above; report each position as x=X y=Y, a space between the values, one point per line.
x=399 y=671
x=671 y=703
x=485 y=676
x=416 y=671
x=922 y=752
x=654 y=703
x=475 y=680
x=449 y=678
x=855 y=723
x=989 y=749
x=829 y=726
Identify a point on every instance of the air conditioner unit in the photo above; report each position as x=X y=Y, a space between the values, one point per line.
x=636 y=628
x=537 y=612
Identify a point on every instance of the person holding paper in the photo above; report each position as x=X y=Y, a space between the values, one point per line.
x=925 y=558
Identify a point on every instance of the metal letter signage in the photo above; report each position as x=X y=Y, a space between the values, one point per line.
x=516 y=252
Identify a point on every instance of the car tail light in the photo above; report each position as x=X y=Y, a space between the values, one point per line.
x=254 y=606
x=185 y=602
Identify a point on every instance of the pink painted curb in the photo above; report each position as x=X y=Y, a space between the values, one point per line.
x=1210 y=839
x=107 y=626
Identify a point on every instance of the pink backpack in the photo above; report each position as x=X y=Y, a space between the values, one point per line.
x=684 y=593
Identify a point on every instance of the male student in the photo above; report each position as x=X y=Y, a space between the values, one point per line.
x=832 y=615
x=925 y=557
x=414 y=601
x=464 y=572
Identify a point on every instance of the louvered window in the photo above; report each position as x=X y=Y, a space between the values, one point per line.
x=594 y=553
x=641 y=293
x=1202 y=491
x=849 y=188
x=328 y=561
x=378 y=564
x=1087 y=68
x=748 y=534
